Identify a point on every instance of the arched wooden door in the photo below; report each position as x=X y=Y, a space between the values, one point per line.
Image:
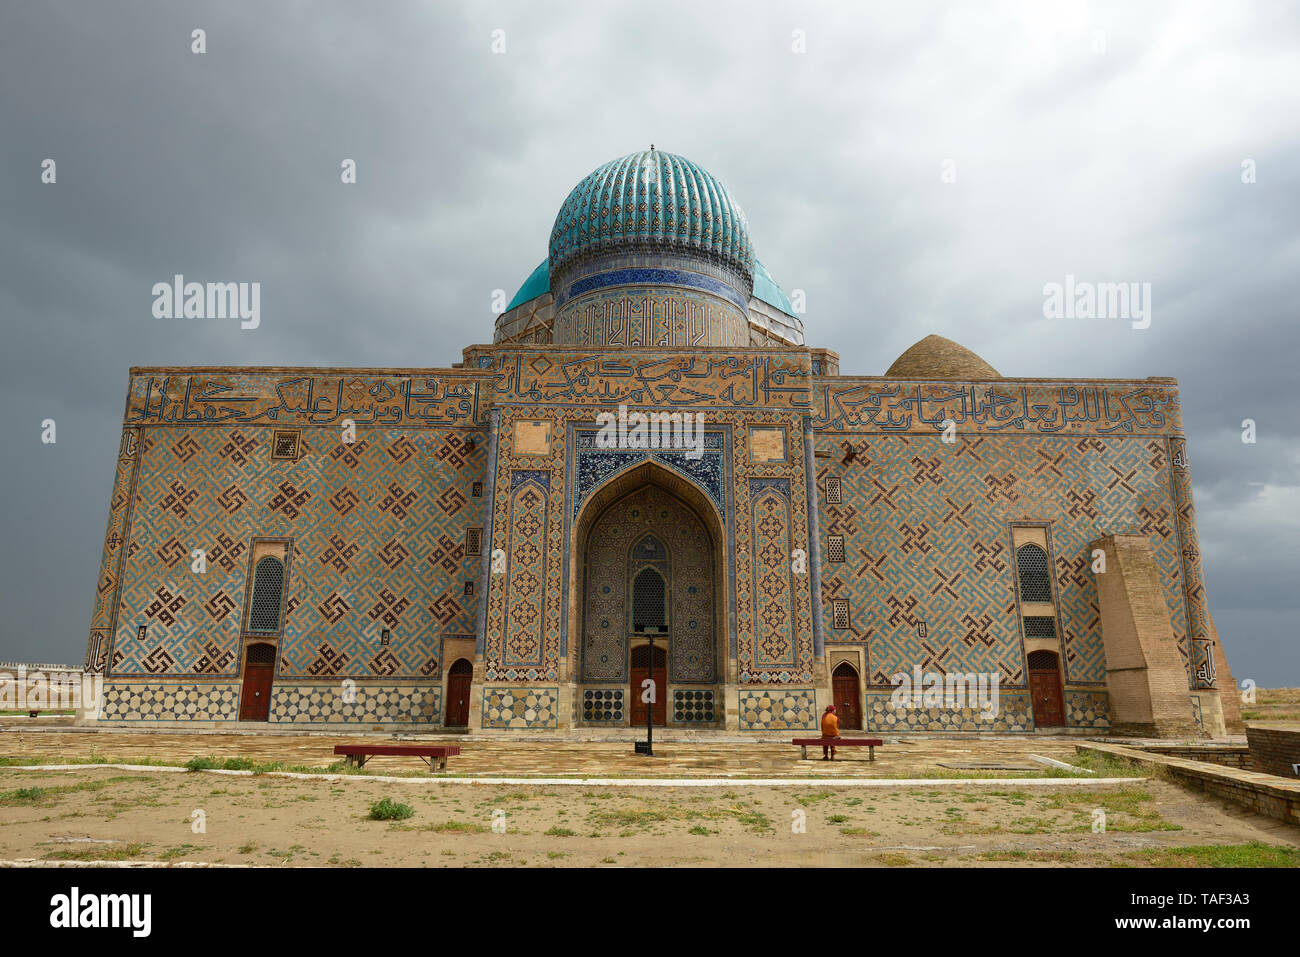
x=639 y=672
x=259 y=675
x=848 y=697
x=459 y=678
x=1045 y=690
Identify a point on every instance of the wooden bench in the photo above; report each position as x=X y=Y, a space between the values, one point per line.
x=869 y=743
x=358 y=754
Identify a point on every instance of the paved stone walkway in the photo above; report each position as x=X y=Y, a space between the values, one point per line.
x=909 y=757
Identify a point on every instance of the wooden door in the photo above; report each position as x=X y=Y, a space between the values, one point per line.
x=1045 y=690
x=639 y=671
x=458 y=684
x=847 y=699
x=259 y=676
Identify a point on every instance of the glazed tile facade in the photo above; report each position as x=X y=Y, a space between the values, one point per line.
x=378 y=577
x=412 y=520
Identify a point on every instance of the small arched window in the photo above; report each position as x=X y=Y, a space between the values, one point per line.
x=649 y=601
x=1031 y=568
x=268 y=590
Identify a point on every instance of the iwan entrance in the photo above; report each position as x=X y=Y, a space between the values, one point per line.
x=650 y=578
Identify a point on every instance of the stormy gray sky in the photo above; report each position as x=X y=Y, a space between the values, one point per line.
x=1102 y=140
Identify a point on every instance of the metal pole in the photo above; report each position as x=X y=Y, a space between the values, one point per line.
x=650 y=711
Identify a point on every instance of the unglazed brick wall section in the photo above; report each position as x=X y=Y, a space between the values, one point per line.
x=378 y=529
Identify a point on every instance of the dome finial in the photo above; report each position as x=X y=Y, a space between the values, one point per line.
x=652 y=147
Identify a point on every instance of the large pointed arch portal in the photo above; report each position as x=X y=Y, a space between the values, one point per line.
x=650 y=565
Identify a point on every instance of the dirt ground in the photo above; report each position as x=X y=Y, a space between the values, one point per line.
x=1273 y=704
x=107 y=814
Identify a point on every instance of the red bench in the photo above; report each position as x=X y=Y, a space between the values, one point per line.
x=869 y=743
x=358 y=754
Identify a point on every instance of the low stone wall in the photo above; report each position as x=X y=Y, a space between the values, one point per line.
x=1265 y=794
x=1275 y=748
x=1228 y=757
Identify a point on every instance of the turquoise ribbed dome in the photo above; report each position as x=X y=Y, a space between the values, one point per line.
x=651 y=198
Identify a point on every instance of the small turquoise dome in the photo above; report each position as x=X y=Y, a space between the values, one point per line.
x=651 y=198
x=537 y=284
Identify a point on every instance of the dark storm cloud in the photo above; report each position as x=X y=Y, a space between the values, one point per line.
x=1102 y=141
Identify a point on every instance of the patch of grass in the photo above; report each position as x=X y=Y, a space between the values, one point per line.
x=558 y=831
x=32 y=796
x=808 y=800
x=1253 y=854
x=894 y=859
x=182 y=850
x=700 y=830
x=127 y=851
x=837 y=819
x=239 y=763
x=386 y=809
x=23 y=796
x=859 y=832
x=453 y=827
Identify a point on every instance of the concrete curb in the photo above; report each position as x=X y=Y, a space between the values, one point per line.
x=622 y=782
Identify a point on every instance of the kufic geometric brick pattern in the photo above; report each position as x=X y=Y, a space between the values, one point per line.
x=378 y=529
x=927 y=540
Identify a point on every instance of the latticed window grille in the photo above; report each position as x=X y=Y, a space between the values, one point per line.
x=261 y=654
x=1031 y=567
x=1042 y=661
x=476 y=490
x=840 y=612
x=1040 y=626
x=835 y=548
x=268 y=590
x=649 y=601
x=834 y=493
x=284 y=445
x=473 y=541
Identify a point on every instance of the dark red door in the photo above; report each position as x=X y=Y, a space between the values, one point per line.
x=459 y=679
x=639 y=672
x=259 y=675
x=848 y=702
x=1045 y=690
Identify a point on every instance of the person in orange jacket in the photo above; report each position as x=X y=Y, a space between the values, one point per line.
x=830 y=729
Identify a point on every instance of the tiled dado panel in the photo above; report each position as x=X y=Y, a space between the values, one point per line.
x=169 y=702
x=369 y=704
x=1013 y=714
x=778 y=709
x=926 y=529
x=600 y=705
x=1087 y=709
x=512 y=707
